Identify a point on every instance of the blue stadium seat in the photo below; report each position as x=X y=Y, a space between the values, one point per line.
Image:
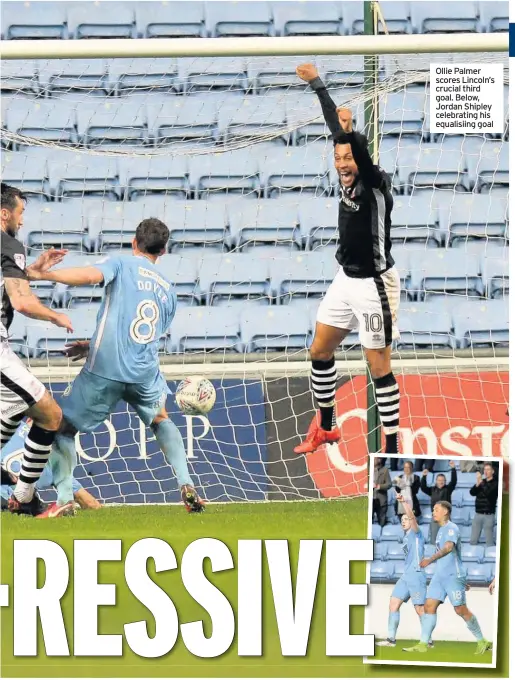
x=20 y=77
x=215 y=175
x=461 y=516
x=468 y=500
x=392 y=532
x=128 y=75
x=197 y=224
x=348 y=72
x=426 y=516
x=466 y=480
x=34 y=21
x=423 y=499
x=307 y=18
x=444 y=17
x=376 y=532
x=479 y=574
x=423 y=325
x=482 y=323
x=232 y=277
x=398 y=566
x=303 y=275
x=428 y=167
x=300 y=169
x=491 y=554
x=319 y=222
x=465 y=533
x=495 y=270
x=101 y=20
x=248 y=117
x=182 y=271
x=395 y=550
x=170 y=20
x=184 y=120
x=238 y=19
x=396 y=15
x=265 y=74
x=65 y=76
x=140 y=176
x=87 y=296
x=472 y=553
x=274 y=329
x=414 y=220
x=494 y=15
x=75 y=175
x=204 y=329
x=52 y=121
x=28 y=172
x=44 y=339
x=446 y=271
x=473 y=216
x=491 y=168
x=303 y=113
x=429 y=550
x=113 y=225
x=201 y=74
x=18 y=335
x=55 y=225
x=380 y=549
x=425 y=531
x=402 y=113
x=381 y=571
x=263 y=222
x=112 y=121
x=457 y=497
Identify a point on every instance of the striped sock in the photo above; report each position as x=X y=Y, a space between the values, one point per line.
x=8 y=427
x=323 y=384
x=38 y=445
x=388 y=398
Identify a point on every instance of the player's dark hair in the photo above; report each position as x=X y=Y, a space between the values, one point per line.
x=152 y=236
x=8 y=196
x=341 y=138
x=447 y=506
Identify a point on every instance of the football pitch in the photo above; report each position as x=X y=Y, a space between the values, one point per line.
x=342 y=519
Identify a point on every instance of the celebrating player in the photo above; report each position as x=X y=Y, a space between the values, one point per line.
x=365 y=292
x=412 y=584
x=21 y=392
x=123 y=362
x=448 y=581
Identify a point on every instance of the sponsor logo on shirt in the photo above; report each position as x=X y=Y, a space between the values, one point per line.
x=348 y=202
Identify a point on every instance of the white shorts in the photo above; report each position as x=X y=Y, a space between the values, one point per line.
x=19 y=389
x=370 y=304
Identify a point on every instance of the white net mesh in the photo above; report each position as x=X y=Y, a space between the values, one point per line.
x=233 y=154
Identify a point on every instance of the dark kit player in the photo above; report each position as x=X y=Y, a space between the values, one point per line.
x=365 y=292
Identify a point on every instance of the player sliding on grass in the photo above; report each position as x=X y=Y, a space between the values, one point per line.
x=123 y=362
x=366 y=290
x=449 y=580
x=412 y=584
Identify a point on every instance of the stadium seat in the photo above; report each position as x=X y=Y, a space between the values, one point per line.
x=170 y=19
x=53 y=121
x=380 y=549
x=216 y=175
x=34 y=21
x=482 y=323
x=265 y=74
x=183 y=120
x=75 y=175
x=468 y=500
x=238 y=19
x=446 y=272
x=18 y=335
x=426 y=516
x=398 y=566
x=101 y=20
x=376 y=533
x=424 y=326
x=479 y=574
x=44 y=339
x=348 y=72
x=304 y=114
x=28 y=172
x=495 y=271
x=381 y=571
x=113 y=225
x=263 y=222
x=319 y=222
x=392 y=532
x=457 y=498
x=274 y=329
x=428 y=167
x=472 y=553
x=250 y=117
x=402 y=113
x=461 y=516
x=19 y=76
x=197 y=224
x=494 y=15
x=233 y=277
x=395 y=551
x=64 y=76
x=182 y=271
x=425 y=531
x=304 y=275
x=473 y=216
x=87 y=296
x=396 y=15
x=299 y=169
x=444 y=17
x=55 y=225
x=144 y=175
x=429 y=550
x=307 y=18
x=204 y=329
x=465 y=533
x=127 y=75
x=492 y=167
x=415 y=220
x=491 y=554
x=202 y=74
x=113 y=121
x=466 y=480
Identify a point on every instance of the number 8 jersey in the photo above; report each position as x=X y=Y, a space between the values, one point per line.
x=138 y=307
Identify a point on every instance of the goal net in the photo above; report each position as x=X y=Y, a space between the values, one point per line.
x=233 y=154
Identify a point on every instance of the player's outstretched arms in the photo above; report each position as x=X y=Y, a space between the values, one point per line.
x=74 y=276
x=447 y=548
x=77 y=350
x=408 y=511
x=309 y=73
x=25 y=302
x=45 y=261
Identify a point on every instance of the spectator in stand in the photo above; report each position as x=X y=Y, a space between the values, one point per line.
x=408 y=484
x=441 y=491
x=485 y=490
x=382 y=483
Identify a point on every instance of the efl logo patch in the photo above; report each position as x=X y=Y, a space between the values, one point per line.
x=20 y=260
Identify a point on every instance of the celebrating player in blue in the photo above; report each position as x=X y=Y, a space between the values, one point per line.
x=123 y=363
x=412 y=584
x=449 y=580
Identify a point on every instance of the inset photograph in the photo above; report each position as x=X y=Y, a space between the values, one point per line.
x=432 y=585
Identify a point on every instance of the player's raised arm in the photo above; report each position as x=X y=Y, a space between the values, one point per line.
x=309 y=73
x=408 y=511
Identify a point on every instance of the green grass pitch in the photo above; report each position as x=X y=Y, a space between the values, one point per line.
x=228 y=522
